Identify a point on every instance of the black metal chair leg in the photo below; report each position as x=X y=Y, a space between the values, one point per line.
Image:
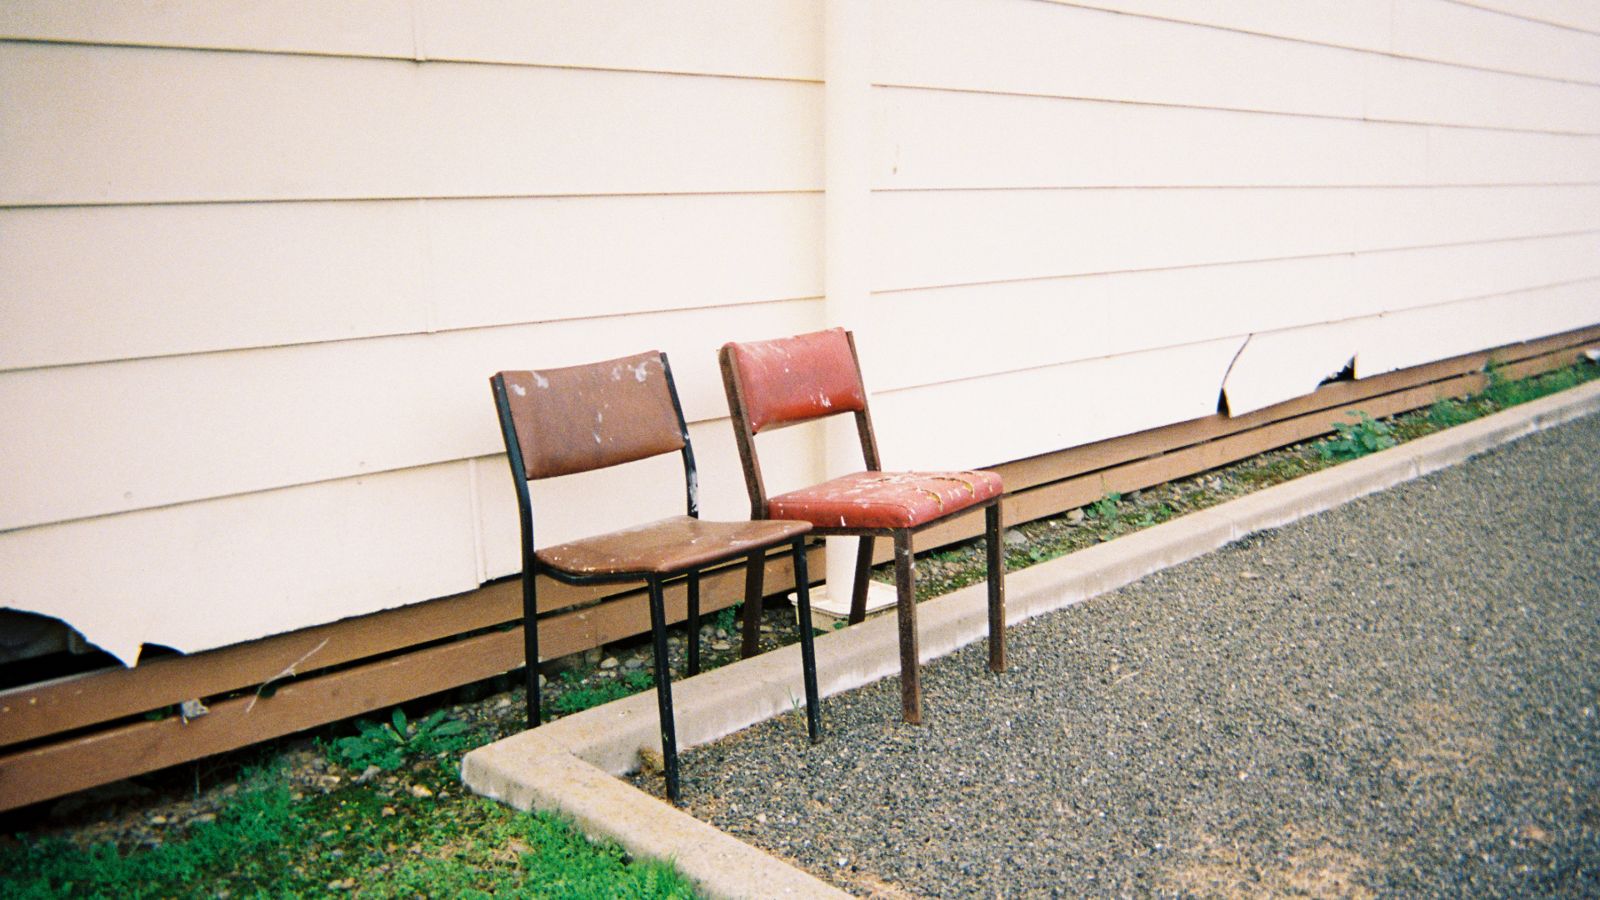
x=669 y=731
x=906 y=593
x=808 y=653
x=997 y=588
x=858 y=587
x=755 y=576
x=530 y=645
x=694 y=623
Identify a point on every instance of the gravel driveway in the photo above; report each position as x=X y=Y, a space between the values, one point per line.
x=1395 y=697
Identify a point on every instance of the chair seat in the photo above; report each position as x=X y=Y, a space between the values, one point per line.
x=669 y=546
x=885 y=499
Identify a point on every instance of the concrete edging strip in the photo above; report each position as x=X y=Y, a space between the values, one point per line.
x=570 y=765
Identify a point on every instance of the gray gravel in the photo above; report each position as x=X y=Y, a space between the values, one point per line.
x=1395 y=697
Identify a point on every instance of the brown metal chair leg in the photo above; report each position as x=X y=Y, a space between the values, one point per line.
x=997 y=588
x=755 y=574
x=858 y=587
x=906 y=594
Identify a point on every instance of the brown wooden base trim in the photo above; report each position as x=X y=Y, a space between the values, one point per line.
x=66 y=704
x=51 y=770
x=1171 y=452
x=314 y=693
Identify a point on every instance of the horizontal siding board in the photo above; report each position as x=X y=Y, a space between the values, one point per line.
x=1411 y=91
x=505 y=261
x=177 y=279
x=103 y=125
x=498 y=130
x=1405 y=338
x=1076 y=52
x=204 y=575
x=1438 y=30
x=186 y=279
x=1578 y=14
x=983 y=421
x=939 y=139
x=128 y=125
x=923 y=239
x=372 y=28
x=907 y=339
x=762 y=38
x=260 y=419
x=727 y=37
x=1346 y=23
x=1457 y=33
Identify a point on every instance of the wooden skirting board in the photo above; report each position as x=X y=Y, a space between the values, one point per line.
x=84 y=730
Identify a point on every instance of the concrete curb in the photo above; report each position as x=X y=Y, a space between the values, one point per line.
x=569 y=765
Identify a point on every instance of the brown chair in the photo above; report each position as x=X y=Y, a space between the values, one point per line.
x=781 y=382
x=562 y=421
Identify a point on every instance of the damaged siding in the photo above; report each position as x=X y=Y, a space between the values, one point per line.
x=1155 y=202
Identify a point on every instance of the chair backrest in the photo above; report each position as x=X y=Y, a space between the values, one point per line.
x=795 y=379
x=790 y=380
x=561 y=421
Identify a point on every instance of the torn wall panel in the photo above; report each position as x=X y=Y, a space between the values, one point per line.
x=907 y=340
x=224 y=571
x=980 y=421
x=1275 y=366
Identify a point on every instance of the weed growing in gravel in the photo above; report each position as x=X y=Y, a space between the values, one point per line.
x=1105 y=509
x=1448 y=412
x=389 y=744
x=580 y=696
x=1357 y=439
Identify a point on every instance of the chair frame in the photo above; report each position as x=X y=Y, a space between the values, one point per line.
x=655 y=585
x=905 y=584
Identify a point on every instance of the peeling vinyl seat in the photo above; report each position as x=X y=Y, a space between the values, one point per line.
x=771 y=384
x=576 y=419
x=886 y=499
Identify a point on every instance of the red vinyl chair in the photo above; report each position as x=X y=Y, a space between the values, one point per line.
x=786 y=381
x=563 y=421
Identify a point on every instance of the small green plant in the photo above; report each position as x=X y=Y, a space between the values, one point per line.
x=1105 y=509
x=1448 y=412
x=725 y=618
x=1357 y=439
x=578 y=697
x=388 y=745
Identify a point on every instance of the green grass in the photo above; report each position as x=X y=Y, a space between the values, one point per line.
x=267 y=843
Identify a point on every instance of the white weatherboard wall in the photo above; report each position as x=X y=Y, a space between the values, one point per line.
x=258 y=261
